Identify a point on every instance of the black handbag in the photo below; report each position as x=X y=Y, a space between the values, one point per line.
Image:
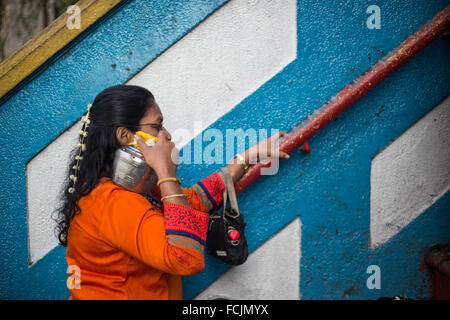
x=225 y=238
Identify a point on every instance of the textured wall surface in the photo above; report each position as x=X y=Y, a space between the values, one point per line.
x=410 y=175
x=329 y=188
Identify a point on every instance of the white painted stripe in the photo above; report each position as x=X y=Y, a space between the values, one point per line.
x=271 y=272
x=196 y=81
x=45 y=175
x=410 y=175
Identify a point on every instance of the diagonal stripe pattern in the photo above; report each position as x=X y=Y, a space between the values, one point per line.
x=201 y=77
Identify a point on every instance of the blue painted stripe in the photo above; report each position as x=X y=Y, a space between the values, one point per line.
x=186 y=234
x=208 y=194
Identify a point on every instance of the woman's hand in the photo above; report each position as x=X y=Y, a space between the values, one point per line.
x=262 y=151
x=265 y=149
x=162 y=157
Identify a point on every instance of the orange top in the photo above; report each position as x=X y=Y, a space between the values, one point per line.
x=126 y=247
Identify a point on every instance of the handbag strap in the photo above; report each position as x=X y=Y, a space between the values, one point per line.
x=229 y=191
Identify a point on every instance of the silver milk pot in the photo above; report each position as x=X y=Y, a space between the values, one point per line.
x=132 y=172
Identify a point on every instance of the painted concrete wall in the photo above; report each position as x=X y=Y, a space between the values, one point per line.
x=289 y=57
x=410 y=174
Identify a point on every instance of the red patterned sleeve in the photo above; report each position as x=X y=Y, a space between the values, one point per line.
x=185 y=227
x=207 y=194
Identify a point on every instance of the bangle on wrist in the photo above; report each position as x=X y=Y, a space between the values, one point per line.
x=172 y=179
x=241 y=160
x=173 y=196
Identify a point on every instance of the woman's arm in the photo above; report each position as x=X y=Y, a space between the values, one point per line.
x=207 y=194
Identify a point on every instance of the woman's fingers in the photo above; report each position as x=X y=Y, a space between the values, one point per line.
x=284 y=155
x=141 y=144
x=267 y=148
x=161 y=135
x=281 y=154
x=164 y=135
x=277 y=153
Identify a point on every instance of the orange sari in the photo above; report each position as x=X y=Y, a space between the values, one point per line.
x=128 y=246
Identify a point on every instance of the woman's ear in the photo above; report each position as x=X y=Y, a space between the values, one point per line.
x=124 y=136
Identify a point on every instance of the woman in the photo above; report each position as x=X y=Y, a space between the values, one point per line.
x=129 y=246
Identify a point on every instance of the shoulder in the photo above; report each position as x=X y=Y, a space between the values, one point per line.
x=116 y=197
x=123 y=211
x=109 y=197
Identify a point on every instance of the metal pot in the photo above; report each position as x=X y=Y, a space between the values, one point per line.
x=132 y=172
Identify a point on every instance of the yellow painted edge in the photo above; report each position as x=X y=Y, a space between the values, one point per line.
x=52 y=39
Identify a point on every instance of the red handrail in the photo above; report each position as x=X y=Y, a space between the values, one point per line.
x=355 y=90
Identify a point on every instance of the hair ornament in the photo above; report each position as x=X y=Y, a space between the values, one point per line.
x=82 y=147
x=85 y=120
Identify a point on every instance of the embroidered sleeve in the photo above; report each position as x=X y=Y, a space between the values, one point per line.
x=185 y=227
x=206 y=194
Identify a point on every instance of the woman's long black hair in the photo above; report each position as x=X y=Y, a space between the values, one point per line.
x=122 y=105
